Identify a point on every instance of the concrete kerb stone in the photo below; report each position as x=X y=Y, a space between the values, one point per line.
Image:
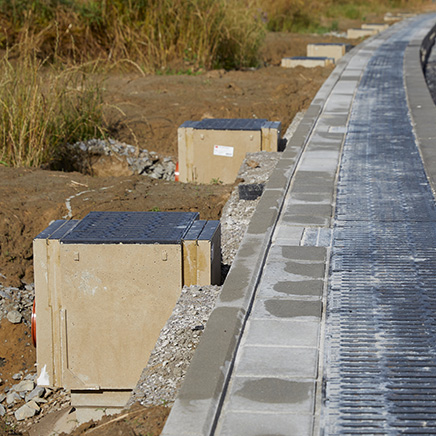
x=421 y=105
x=250 y=423
x=199 y=400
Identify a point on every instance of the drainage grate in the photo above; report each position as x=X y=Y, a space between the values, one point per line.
x=380 y=376
x=131 y=227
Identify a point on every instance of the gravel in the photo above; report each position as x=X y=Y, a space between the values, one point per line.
x=140 y=161
x=16 y=303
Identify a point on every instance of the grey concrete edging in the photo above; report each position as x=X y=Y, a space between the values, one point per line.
x=198 y=403
x=421 y=106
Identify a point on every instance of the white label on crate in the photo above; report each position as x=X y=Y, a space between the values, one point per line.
x=222 y=150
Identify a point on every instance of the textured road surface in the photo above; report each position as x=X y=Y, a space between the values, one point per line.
x=381 y=329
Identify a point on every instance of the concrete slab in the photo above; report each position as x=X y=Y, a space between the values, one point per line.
x=300 y=254
x=261 y=424
x=340 y=104
x=59 y=422
x=294 y=270
x=360 y=33
x=310 y=197
x=375 y=26
x=278 y=288
x=346 y=87
x=391 y=18
x=311 y=186
x=315 y=162
x=338 y=129
x=288 y=235
x=329 y=50
x=296 y=219
x=278 y=361
x=286 y=308
x=332 y=119
x=287 y=295
x=313 y=177
x=283 y=333
x=317 y=210
x=323 y=137
x=317 y=237
x=271 y=394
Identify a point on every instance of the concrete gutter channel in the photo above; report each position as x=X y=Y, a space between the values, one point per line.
x=291 y=227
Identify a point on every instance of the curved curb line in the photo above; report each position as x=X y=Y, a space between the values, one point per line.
x=196 y=408
x=422 y=109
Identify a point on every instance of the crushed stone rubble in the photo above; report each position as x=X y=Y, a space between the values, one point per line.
x=236 y=215
x=16 y=303
x=25 y=403
x=140 y=161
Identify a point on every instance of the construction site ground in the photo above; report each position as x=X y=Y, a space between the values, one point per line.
x=146 y=111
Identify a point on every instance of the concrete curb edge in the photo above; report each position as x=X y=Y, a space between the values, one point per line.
x=204 y=387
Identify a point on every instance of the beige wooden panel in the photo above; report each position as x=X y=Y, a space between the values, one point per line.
x=270 y=139
x=44 y=327
x=115 y=300
x=360 y=33
x=185 y=153
x=190 y=263
x=218 y=154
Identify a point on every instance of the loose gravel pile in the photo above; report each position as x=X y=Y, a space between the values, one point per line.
x=16 y=303
x=139 y=161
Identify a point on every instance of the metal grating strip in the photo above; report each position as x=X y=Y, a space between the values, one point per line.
x=380 y=376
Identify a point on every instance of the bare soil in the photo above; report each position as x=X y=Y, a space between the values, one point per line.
x=147 y=111
x=138 y=420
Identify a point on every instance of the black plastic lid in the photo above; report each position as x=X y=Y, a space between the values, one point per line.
x=227 y=124
x=131 y=228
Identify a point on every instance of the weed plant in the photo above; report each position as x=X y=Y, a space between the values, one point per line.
x=43 y=108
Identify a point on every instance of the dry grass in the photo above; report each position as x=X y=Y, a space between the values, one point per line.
x=43 y=108
x=154 y=34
